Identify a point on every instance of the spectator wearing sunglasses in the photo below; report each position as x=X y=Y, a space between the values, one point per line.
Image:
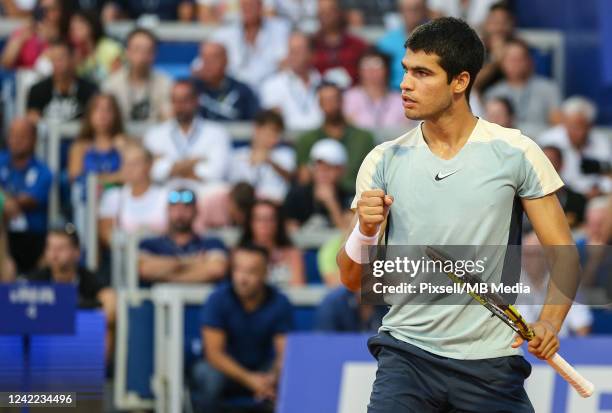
x=181 y=256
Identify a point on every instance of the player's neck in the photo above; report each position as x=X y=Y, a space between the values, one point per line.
x=452 y=128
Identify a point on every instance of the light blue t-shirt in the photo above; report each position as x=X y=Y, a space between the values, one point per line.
x=477 y=202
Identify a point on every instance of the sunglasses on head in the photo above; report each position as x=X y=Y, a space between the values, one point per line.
x=181 y=197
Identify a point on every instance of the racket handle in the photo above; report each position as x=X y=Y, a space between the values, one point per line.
x=583 y=386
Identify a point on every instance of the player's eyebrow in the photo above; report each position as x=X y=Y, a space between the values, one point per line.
x=417 y=68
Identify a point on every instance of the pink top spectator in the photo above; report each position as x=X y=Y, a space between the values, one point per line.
x=31 y=49
x=363 y=112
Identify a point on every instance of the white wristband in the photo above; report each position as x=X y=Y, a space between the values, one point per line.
x=356 y=241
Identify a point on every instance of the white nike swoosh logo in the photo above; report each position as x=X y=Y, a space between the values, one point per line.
x=441 y=176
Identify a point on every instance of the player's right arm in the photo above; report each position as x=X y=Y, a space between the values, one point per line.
x=371 y=211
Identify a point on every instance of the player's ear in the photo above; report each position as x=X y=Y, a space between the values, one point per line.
x=461 y=82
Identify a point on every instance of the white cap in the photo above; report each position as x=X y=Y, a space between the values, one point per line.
x=329 y=151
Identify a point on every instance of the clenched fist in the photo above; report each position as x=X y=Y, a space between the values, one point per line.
x=372 y=209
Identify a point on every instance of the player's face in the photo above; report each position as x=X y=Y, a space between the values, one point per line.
x=426 y=92
x=249 y=273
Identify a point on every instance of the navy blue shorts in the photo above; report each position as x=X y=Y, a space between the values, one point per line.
x=409 y=379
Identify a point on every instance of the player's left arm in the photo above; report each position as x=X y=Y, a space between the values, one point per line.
x=551 y=227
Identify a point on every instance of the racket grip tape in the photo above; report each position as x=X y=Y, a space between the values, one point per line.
x=576 y=380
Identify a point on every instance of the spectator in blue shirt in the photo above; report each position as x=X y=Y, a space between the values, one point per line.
x=244 y=324
x=181 y=256
x=340 y=311
x=221 y=97
x=25 y=182
x=414 y=13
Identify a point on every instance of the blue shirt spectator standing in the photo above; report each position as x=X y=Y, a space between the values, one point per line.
x=221 y=97
x=25 y=182
x=181 y=256
x=243 y=330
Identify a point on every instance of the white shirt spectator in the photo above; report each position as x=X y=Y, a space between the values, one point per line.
x=530 y=305
x=207 y=141
x=146 y=212
x=252 y=64
x=297 y=101
x=474 y=13
x=598 y=147
x=267 y=182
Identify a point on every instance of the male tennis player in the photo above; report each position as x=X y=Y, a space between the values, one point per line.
x=454 y=180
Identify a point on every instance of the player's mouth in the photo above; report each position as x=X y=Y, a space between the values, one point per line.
x=408 y=102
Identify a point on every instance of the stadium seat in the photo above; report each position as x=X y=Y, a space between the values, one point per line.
x=312 y=268
x=177 y=52
x=11 y=363
x=602 y=321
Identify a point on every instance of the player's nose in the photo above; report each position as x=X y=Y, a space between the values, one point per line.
x=407 y=83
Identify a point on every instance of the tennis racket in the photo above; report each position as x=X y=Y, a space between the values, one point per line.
x=510 y=315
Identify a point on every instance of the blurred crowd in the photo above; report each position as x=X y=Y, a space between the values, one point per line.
x=186 y=177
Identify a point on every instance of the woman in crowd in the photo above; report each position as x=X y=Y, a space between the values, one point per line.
x=97 y=148
x=97 y=55
x=370 y=104
x=48 y=23
x=137 y=206
x=265 y=227
x=95 y=151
